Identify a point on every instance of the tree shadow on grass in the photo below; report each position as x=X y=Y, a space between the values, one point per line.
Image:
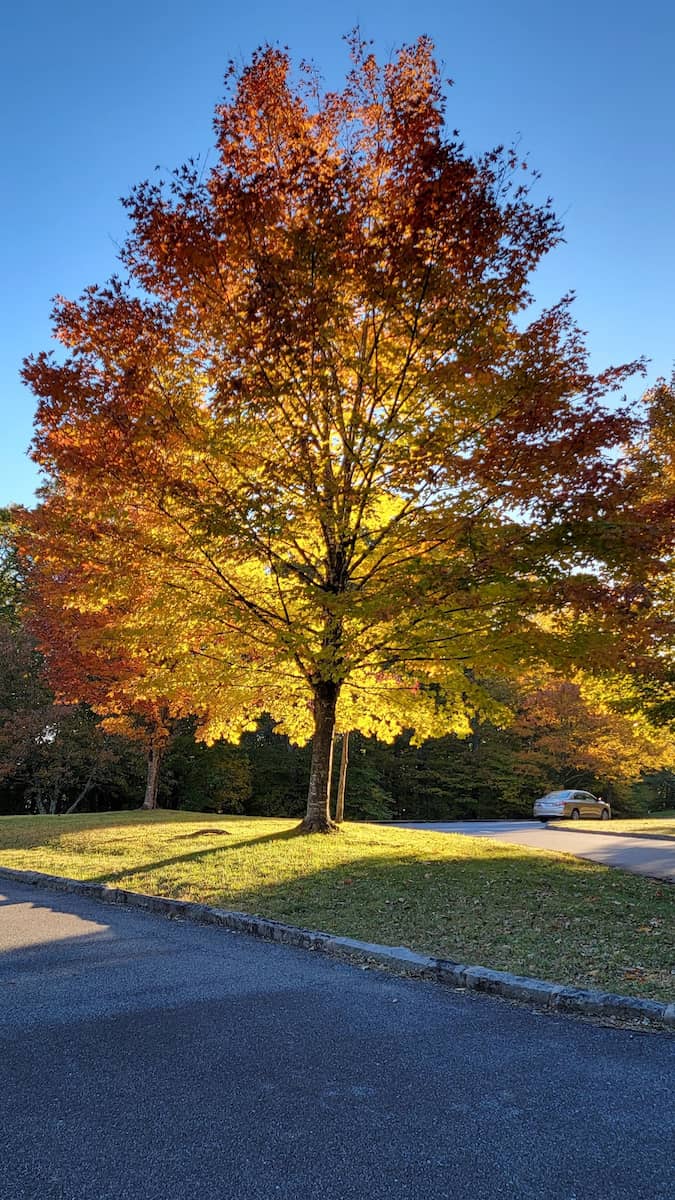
x=296 y=834
x=285 y=835
x=42 y=831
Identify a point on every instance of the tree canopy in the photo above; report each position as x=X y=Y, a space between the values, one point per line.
x=313 y=454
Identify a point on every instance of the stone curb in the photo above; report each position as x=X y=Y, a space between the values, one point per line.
x=549 y=996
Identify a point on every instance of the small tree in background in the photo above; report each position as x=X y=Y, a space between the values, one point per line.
x=53 y=757
x=571 y=734
x=83 y=664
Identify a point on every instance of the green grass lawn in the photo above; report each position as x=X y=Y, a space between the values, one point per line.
x=659 y=825
x=468 y=899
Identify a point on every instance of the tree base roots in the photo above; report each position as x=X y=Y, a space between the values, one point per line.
x=318 y=825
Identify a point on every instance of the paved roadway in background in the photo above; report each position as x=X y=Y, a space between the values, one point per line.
x=145 y=1059
x=643 y=855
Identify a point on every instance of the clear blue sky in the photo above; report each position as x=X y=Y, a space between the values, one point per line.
x=94 y=95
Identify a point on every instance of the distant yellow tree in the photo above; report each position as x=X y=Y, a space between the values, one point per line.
x=570 y=728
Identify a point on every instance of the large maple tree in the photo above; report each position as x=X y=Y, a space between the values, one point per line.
x=315 y=446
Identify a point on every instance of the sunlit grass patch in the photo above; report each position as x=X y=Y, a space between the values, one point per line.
x=469 y=899
x=659 y=825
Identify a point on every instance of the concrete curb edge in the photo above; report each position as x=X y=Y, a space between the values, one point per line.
x=551 y=997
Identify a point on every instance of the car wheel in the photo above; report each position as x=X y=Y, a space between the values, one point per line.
x=544 y=820
x=604 y=815
x=576 y=815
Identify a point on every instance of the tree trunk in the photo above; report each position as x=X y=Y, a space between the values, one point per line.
x=318 y=818
x=342 y=781
x=85 y=790
x=152 y=784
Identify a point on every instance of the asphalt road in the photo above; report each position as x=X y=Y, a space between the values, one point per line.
x=145 y=1059
x=642 y=855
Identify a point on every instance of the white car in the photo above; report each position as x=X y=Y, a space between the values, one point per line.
x=573 y=804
